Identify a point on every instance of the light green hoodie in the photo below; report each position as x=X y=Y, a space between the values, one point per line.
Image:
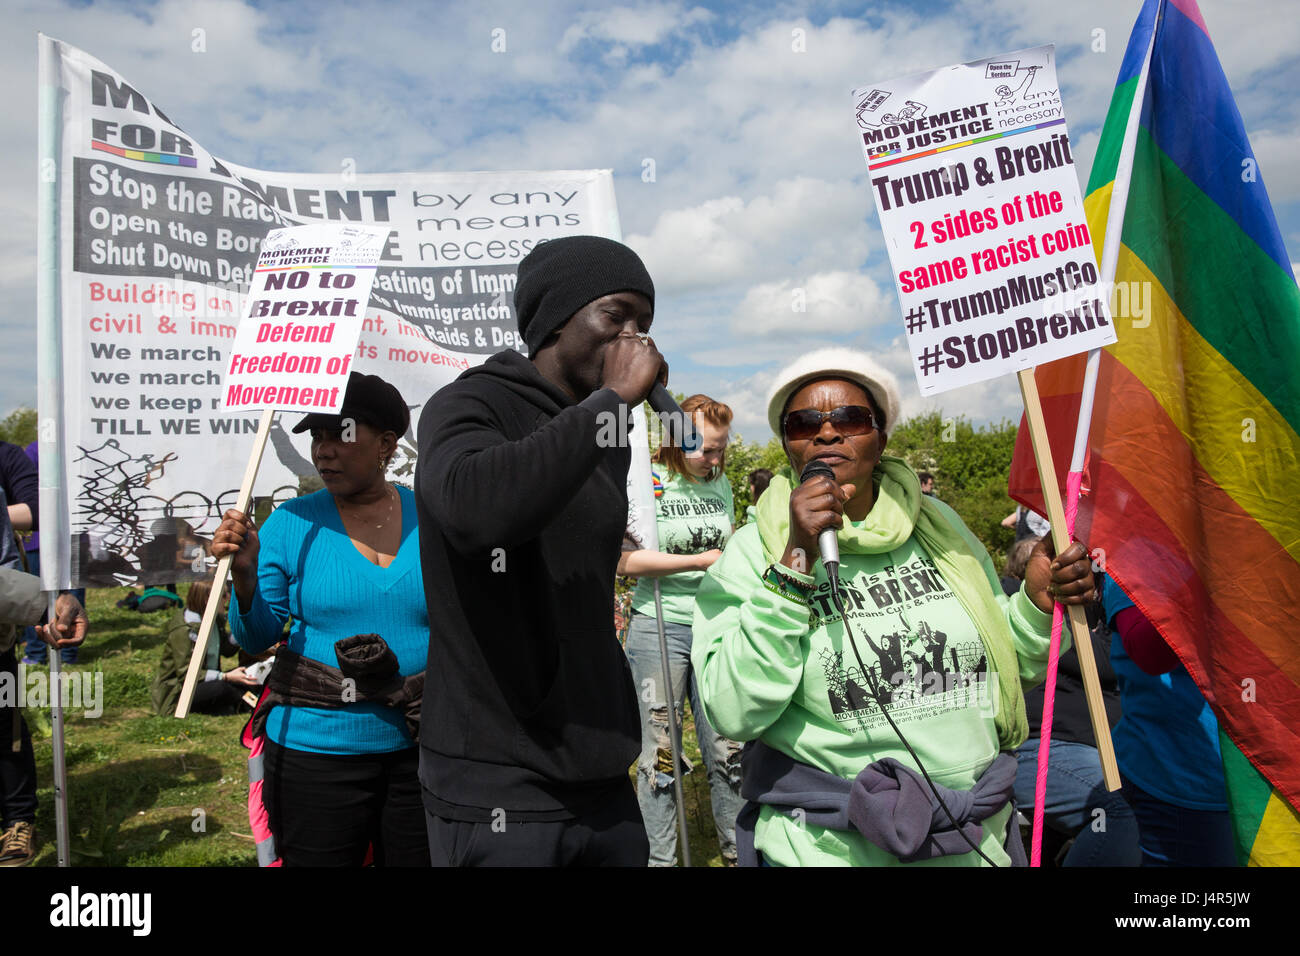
x=769 y=667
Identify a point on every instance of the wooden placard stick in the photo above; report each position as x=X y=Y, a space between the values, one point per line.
x=1061 y=538
x=223 y=568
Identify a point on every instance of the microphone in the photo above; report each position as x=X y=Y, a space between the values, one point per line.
x=827 y=545
x=678 y=428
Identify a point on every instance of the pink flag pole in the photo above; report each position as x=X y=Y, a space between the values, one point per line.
x=1074 y=479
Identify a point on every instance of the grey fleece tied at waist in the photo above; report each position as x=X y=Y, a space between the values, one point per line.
x=889 y=804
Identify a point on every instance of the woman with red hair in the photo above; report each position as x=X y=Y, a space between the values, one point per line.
x=694 y=518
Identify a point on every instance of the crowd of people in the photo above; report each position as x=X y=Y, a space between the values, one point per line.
x=447 y=688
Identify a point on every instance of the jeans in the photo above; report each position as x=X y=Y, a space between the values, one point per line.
x=654 y=776
x=1075 y=792
x=1176 y=836
x=36 y=650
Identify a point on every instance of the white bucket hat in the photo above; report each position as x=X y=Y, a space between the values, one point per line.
x=858 y=367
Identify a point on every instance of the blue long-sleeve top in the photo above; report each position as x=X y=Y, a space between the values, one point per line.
x=310 y=571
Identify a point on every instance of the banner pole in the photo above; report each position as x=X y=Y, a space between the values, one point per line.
x=60 y=762
x=223 y=568
x=53 y=503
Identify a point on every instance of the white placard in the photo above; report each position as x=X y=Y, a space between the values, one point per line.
x=302 y=318
x=972 y=174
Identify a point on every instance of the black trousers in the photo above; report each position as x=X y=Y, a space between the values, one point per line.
x=609 y=834
x=327 y=809
x=218 y=697
x=17 y=767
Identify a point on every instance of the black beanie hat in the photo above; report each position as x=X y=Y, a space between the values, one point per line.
x=560 y=276
x=368 y=399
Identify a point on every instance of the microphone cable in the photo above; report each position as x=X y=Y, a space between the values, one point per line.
x=833 y=575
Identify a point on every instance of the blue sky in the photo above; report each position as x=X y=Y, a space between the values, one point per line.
x=759 y=183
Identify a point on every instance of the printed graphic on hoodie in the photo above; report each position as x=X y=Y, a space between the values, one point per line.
x=912 y=666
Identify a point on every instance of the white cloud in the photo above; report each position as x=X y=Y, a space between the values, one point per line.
x=1279 y=166
x=645 y=25
x=827 y=302
x=804 y=222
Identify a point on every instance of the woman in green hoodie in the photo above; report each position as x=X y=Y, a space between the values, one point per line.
x=926 y=676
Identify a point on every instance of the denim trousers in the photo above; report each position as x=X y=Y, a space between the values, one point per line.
x=1075 y=792
x=1177 y=836
x=654 y=777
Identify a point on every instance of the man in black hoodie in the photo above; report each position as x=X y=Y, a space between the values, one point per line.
x=530 y=718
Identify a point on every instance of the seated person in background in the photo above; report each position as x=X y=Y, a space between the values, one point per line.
x=1014 y=571
x=154 y=598
x=218 y=692
x=1167 y=746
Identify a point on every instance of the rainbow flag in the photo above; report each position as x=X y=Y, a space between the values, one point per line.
x=1192 y=482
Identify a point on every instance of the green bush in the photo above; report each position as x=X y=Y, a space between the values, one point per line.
x=19 y=427
x=970 y=467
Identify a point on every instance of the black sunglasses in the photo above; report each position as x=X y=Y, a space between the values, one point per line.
x=848 y=420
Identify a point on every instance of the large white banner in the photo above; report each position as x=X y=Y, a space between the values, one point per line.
x=155 y=240
x=974 y=180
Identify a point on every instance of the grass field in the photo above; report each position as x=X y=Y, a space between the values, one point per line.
x=145 y=790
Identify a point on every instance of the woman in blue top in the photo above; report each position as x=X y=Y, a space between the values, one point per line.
x=341 y=562
x=1167 y=746
x=694 y=518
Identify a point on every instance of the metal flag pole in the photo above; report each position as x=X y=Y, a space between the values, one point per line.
x=60 y=761
x=54 y=509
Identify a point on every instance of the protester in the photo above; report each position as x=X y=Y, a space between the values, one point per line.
x=758 y=482
x=693 y=518
x=23 y=603
x=930 y=632
x=1167 y=746
x=1077 y=806
x=927 y=483
x=152 y=599
x=343 y=564
x=532 y=722
x=1013 y=573
x=1028 y=524
x=21 y=486
x=218 y=691
x=20 y=483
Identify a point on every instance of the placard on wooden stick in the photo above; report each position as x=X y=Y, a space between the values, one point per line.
x=973 y=177
x=292 y=352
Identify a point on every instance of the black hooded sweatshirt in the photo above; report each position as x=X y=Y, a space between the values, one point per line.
x=529 y=705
